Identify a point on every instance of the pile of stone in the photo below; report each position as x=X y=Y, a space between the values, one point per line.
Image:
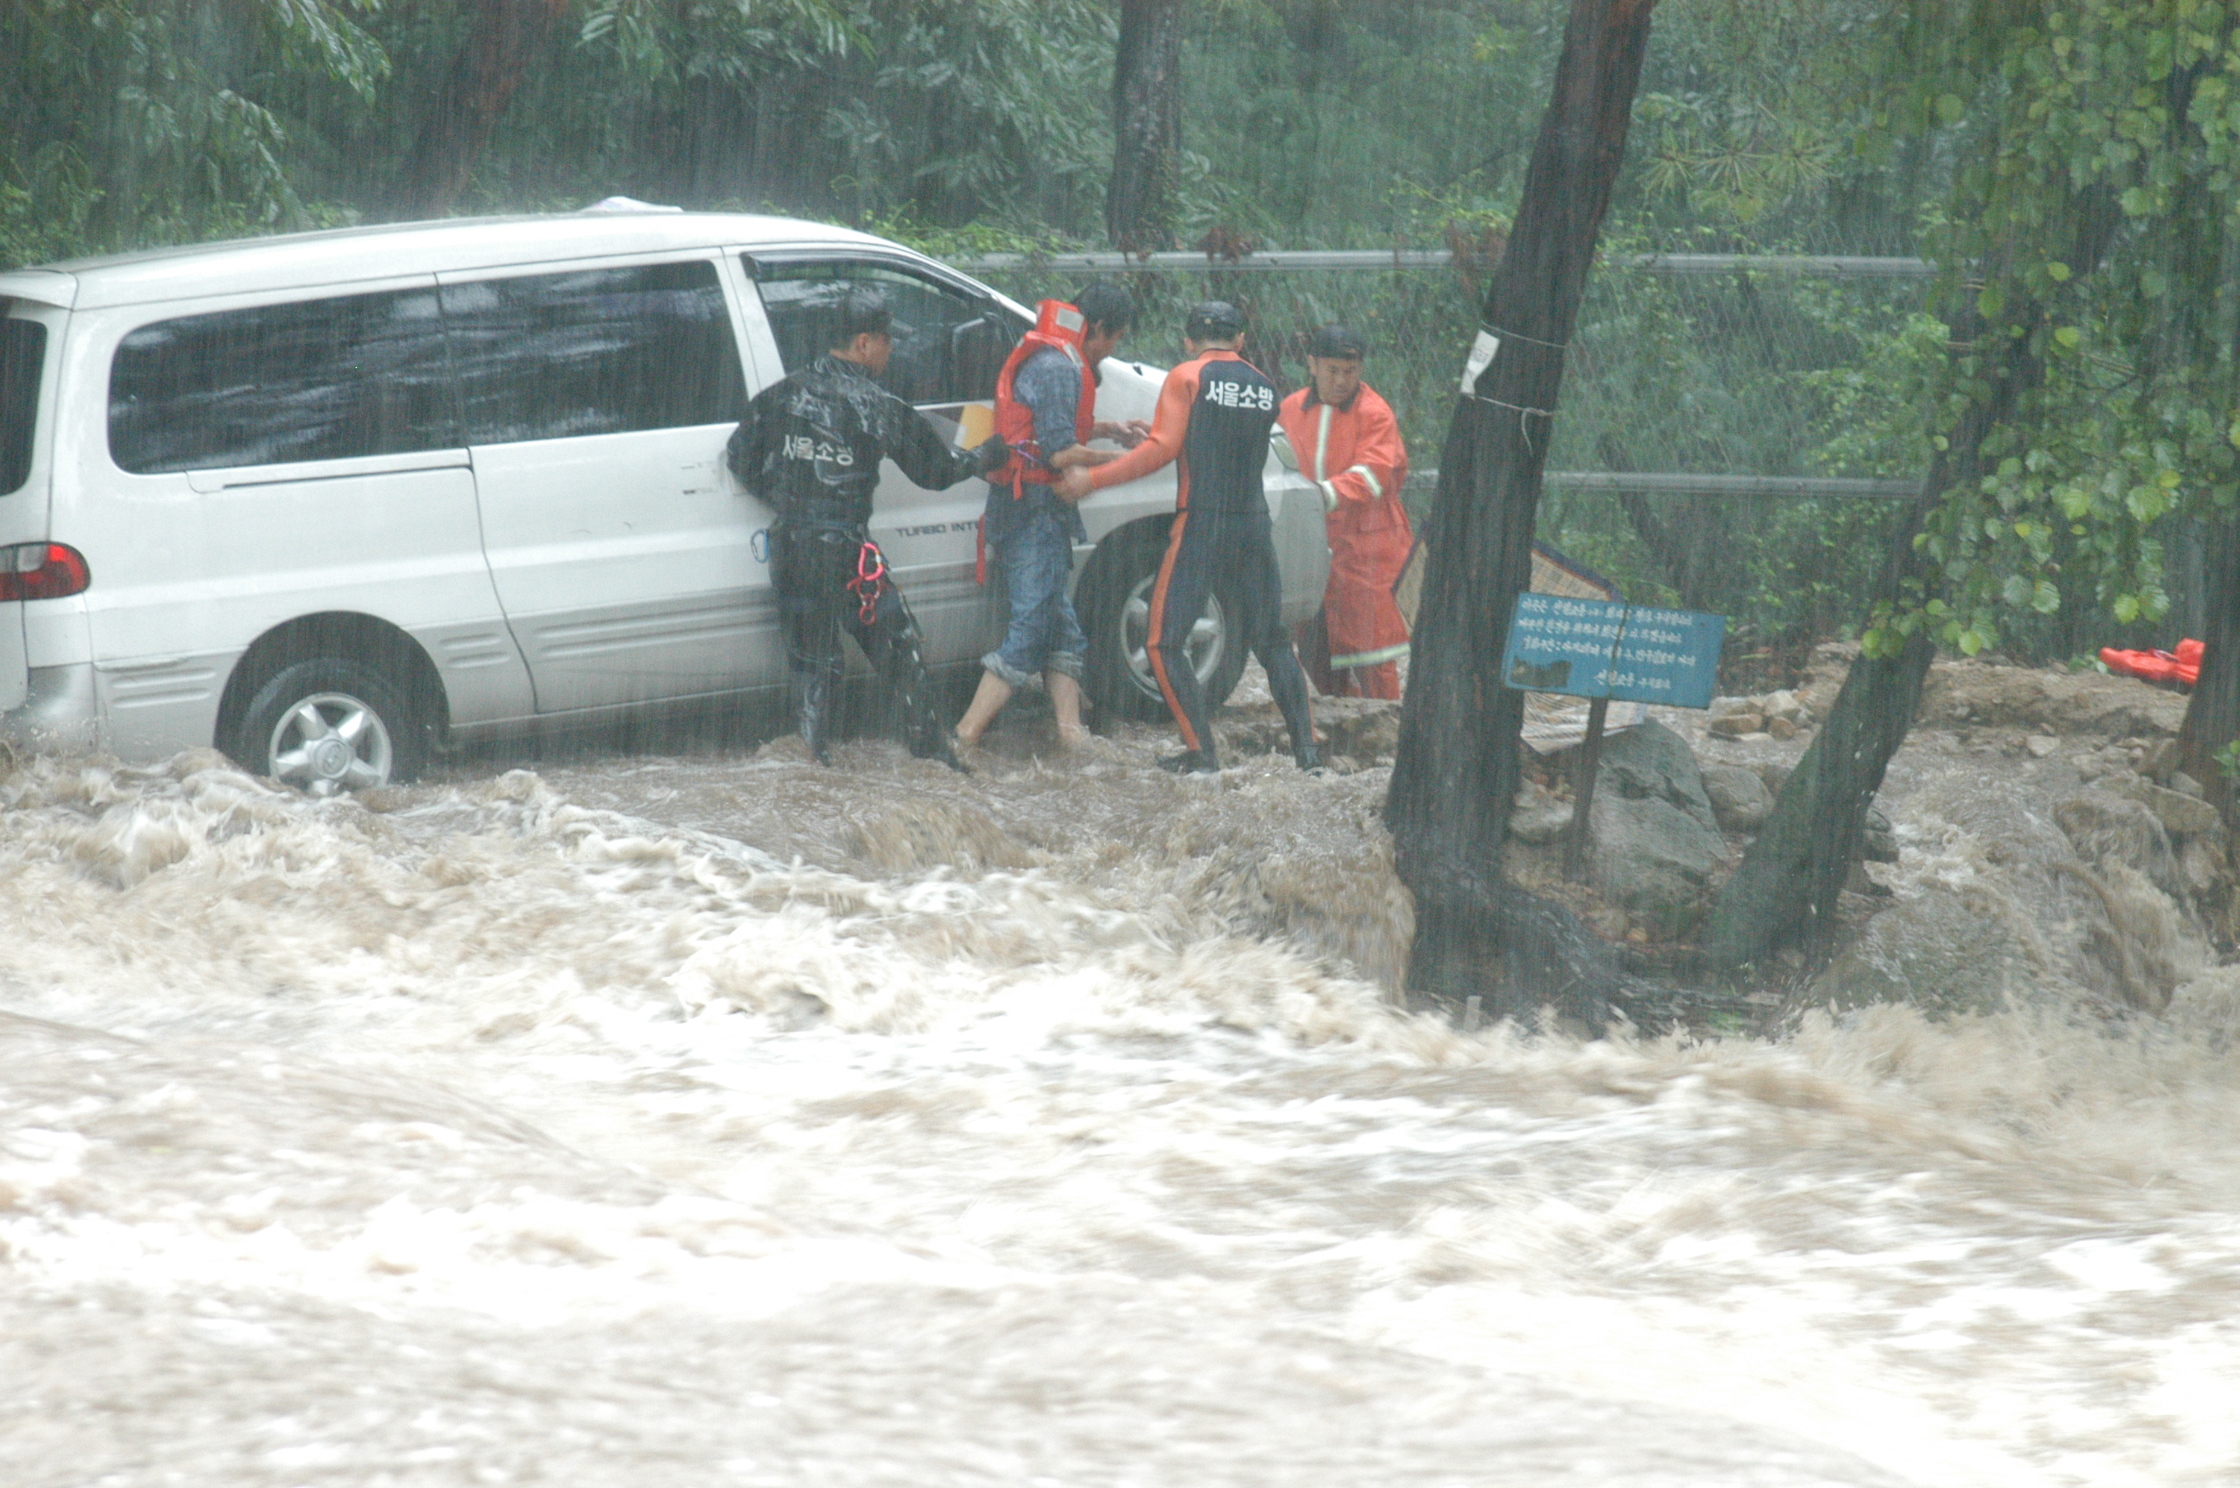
x=1776 y=715
x=1665 y=829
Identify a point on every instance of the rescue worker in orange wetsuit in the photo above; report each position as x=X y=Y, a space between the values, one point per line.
x=1348 y=443
x=1212 y=423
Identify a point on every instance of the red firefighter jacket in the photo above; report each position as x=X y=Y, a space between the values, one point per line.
x=1355 y=455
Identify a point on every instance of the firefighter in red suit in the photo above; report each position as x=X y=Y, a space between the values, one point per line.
x=1348 y=443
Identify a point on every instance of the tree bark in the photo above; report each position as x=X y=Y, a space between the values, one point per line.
x=1140 y=199
x=1793 y=873
x=502 y=37
x=2213 y=717
x=1457 y=768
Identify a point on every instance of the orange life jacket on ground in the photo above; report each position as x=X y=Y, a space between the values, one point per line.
x=2182 y=666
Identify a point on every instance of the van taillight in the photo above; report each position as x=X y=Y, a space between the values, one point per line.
x=42 y=571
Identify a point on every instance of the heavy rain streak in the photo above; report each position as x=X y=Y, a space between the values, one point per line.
x=810 y=744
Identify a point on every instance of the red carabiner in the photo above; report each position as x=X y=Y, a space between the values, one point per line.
x=870 y=581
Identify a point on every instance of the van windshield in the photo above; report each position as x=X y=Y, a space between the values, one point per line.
x=23 y=351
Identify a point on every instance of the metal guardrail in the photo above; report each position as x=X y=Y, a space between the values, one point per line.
x=1827 y=266
x=1670 y=483
x=1681 y=483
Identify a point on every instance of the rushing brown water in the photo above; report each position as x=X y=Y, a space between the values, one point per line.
x=713 y=1119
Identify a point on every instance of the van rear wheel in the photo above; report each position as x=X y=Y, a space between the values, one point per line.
x=327 y=725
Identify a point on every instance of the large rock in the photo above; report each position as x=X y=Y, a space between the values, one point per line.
x=1739 y=798
x=1650 y=761
x=1656 y=838
x=2179 y=813
x=1949 y=950
x=1538 y=817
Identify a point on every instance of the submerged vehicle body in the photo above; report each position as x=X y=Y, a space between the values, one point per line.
x=333 y=500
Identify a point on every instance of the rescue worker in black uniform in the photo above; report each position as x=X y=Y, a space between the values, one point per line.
x=810 y=446
x=1213 y=418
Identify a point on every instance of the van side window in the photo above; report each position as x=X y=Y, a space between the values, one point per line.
x=948 y=346
x=598 y=351
x=23 y=351
x=314 y=380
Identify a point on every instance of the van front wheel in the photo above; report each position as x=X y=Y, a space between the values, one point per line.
x=329 y=725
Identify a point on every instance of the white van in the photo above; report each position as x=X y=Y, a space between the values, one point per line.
x=329 y=501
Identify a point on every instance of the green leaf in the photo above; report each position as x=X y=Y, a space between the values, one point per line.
x=2069 y=336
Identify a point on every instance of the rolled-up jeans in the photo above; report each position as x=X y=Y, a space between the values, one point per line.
x=1036 y=559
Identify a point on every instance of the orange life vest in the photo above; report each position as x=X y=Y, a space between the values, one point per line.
x=2182 y=666
x=1057 y=327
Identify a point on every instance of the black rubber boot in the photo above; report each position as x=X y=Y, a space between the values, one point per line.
x=922 y=729
x=1191 y=762
x=1309 y=755
x=817 y=689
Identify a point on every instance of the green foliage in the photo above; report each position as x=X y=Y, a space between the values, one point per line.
x=135 y=121
x=1319 y=124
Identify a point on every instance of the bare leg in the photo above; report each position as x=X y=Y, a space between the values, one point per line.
x=986 y=704
x=1065 y=702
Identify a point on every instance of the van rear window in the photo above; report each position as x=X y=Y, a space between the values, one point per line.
x=23 y=352
x=600 y=351
x=327 y=379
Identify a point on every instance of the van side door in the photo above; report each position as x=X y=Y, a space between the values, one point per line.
x=949 y=344
x=596 y=400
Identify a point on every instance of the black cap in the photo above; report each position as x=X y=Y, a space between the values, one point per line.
x=1338 y=341
x=1213 y=320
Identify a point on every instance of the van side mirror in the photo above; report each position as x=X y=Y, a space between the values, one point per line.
x=977 y=349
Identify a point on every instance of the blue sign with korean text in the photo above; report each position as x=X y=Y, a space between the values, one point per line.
x=1593 y=648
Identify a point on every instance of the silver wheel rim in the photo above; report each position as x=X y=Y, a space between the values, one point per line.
x=1208 y=643
x=329 y=743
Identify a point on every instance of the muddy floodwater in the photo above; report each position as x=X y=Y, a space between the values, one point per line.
x=689 y=1115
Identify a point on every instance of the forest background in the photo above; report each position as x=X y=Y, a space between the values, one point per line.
x=1846 y=127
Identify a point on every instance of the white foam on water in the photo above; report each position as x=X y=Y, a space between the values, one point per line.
x=492 y=1137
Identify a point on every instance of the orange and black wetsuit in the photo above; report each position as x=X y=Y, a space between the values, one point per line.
x=1213 y=420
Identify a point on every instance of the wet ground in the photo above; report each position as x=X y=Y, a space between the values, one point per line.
x=690 y=1114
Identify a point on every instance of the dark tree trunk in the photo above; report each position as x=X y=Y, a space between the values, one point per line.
x=2213 y=717
x=1789 y=881
x=502 y=37
x=1793 y=873
x=1457 y=768
x=1139 y=203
